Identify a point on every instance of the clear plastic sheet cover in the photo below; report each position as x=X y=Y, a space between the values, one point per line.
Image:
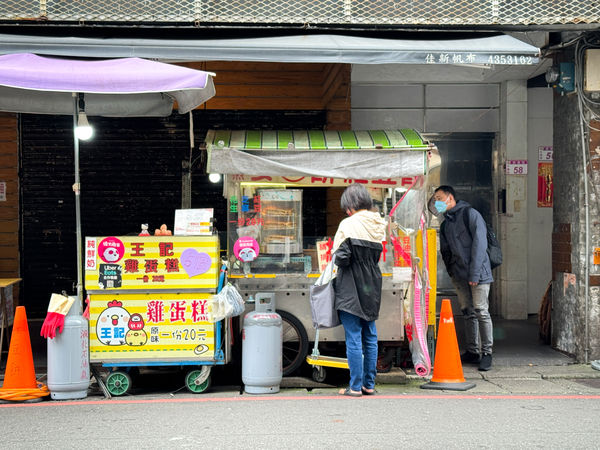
x=370 y=165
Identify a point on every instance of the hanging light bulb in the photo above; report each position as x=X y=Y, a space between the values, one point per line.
x=214 y=177
x=83 y=131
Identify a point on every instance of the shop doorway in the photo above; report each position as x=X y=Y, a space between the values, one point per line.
x=467 y=166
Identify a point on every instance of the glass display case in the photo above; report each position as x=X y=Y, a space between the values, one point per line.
x=281 y=214
x=266 y=233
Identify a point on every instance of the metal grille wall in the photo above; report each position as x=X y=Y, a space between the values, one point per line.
x=342 y=12
x=131 y=173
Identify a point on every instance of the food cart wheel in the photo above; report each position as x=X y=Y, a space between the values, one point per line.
x=198 y=381
x=118 y=383
x=319 y=373
x=295 y=343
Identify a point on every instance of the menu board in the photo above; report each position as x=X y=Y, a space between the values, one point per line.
x=160 y=326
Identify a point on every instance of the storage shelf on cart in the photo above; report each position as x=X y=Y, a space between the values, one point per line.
x=152 y=363
x=327 y=361
x=270 y=263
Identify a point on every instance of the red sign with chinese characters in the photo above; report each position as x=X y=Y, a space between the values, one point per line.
x=545 y=185
x=320 y=181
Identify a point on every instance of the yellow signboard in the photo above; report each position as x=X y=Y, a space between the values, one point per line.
x=155 y=327
x=151 y=262
x=431 y=261
x=432 y=269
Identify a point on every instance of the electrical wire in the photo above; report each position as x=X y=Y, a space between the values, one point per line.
x=21 y=395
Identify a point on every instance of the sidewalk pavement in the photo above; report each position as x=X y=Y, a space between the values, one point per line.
x=574 y=379
x=525 y=367
x=537 y=380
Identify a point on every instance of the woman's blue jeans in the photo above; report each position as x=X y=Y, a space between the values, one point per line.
x=361 y=350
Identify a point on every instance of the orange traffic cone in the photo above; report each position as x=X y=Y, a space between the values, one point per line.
x=447 y=368
x=19 y=379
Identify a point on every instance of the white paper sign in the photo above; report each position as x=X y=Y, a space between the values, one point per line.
x=90 y=253
x=545 y=153
x=2 y=191
x=193 y=222
x=516 y=167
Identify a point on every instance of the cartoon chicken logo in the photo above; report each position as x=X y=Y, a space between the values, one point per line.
x=112 y=324
x=111 y=254
x=136 y=336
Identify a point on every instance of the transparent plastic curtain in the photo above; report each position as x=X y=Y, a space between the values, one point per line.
x=407 y=212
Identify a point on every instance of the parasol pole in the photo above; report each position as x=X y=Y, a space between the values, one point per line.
x=76 y=189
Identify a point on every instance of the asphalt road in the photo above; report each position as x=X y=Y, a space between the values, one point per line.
x=296 y=418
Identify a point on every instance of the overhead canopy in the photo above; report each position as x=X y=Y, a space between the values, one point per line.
x=119 y=87
x=333 y=154
x=500 y=49
x=124 y=87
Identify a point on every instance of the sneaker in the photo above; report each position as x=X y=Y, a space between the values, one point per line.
x=468 y=357
x=486 y=362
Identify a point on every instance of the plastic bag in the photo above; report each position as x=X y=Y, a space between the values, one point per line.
x=227 y=303
x=322 y=299
x=328 y=274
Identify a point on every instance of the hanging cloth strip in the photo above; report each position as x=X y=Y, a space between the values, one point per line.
x=420 y=354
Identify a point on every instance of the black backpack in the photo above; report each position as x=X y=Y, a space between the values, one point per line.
x=493 y=246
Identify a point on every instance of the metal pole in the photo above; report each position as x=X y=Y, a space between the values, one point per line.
x=186 y=178
x=586 y=200
x=587 y=253
x=76 y=190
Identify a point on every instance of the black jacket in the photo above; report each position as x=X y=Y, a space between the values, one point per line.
x=463 y=250
x=358 y=281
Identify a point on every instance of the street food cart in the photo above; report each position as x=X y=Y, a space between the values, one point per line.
x=268 y=184
x=149 y=304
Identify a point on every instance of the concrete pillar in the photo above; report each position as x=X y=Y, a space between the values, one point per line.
x=568 y=240
x=512 y=281
x=539 y=232
x=570 y=254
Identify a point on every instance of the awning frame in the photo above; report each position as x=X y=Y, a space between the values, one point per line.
x=318 y=48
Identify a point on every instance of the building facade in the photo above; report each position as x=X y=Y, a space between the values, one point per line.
x=521 y=151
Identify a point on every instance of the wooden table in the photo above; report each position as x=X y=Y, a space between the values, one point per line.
x=7 y=309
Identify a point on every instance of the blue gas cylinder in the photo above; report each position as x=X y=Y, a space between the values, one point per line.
x=68 y=357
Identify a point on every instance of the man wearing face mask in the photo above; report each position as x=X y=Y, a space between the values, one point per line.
x=463 y=244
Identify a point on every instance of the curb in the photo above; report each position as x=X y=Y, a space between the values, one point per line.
x=395 y=376
x=524 y=373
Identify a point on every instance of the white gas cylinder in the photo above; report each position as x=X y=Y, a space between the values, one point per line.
x=262 y=343
x=68 y=357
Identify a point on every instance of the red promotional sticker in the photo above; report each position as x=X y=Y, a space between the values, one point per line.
x=111 y=249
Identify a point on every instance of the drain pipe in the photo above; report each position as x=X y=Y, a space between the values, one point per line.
x=587 y=238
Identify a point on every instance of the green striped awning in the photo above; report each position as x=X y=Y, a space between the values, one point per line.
x=404 y=138
x=370 y=154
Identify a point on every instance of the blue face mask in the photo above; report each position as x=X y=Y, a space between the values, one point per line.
x=440 y=206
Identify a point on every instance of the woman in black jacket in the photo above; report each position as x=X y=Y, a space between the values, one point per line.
x=357 y=247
